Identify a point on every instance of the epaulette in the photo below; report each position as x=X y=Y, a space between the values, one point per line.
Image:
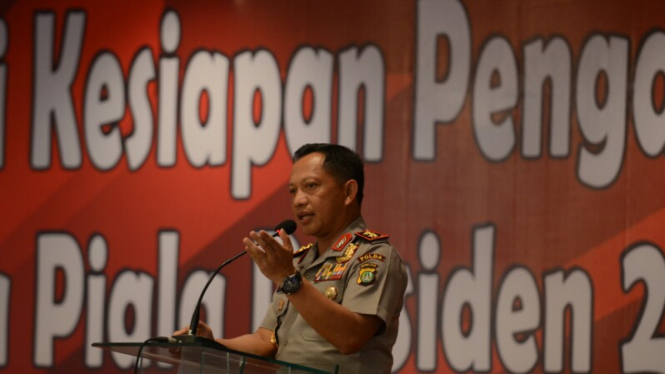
x=302 y=250
x=371 y=236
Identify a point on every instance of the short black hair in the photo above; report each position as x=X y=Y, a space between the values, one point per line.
x=341 y=162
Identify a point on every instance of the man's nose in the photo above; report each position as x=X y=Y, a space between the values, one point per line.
x=299 y=198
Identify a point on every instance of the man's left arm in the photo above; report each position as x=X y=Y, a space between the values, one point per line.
x=345 y=329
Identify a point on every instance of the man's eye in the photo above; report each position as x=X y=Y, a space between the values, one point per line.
x=292 y=191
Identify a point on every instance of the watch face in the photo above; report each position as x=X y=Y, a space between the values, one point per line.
x=292 y=283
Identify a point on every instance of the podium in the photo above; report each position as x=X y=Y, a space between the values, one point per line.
x=205 y=357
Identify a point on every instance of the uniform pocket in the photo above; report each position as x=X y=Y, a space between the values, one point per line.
x=306 y=331
x=333 y=290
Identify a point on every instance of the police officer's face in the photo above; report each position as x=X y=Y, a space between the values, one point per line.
x=317 y=198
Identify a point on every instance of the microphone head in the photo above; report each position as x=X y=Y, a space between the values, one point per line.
x=289 y=226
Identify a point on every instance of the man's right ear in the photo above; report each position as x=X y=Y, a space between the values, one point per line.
x=350 y=191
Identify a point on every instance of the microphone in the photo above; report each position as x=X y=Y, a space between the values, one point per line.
x=289 y=226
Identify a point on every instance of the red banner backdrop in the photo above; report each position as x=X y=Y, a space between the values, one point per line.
x=513 y=153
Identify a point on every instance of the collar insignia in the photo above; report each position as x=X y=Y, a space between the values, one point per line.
x=342 y=242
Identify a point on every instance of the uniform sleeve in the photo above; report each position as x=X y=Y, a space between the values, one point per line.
x=376 y=283
x=270 y=320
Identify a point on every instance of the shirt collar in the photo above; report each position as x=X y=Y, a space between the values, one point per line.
x=357 y=225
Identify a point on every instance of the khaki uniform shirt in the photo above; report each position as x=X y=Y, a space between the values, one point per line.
x=363 y=273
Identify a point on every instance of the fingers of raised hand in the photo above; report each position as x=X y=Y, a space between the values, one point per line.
x=286 y=240
x=254 y=251
x=274 y=244
x=267 y=242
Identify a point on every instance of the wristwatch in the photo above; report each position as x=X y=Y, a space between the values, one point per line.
x=291 y=283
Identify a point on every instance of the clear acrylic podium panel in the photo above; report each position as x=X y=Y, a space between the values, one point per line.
x=198 y=358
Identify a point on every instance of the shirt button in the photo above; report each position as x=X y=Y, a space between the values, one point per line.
x=308 y=275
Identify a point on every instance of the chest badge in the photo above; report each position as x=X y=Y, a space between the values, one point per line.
x=331 y=293
x=348 y=253
x=341 y=242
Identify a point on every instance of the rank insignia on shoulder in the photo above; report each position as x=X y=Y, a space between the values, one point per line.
x=302 y=250
x=367 y=274
x=371 y=235
x=348 y=254
x=342 y=242
x=371 y=256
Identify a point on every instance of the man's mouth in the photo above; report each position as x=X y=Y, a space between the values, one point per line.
x=304 y=217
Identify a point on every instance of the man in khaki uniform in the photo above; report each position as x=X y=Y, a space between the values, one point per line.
x=338 y=299
x=363 y=273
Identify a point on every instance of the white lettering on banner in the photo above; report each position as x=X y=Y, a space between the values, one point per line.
x=60 y=264
x=600 y=94
x=470 y=317
x=5 y=293
x=495 y=94
x=138 y=144
x=602 y=123
x=54 y=318
x=574 y=292
x=4 y=38
x=202 y=128
x=437 y=102
x=169 y=244
x=131 y=290
x=649 y=120
x=104 y=107
x=364 y=71
x=543 y=64
x=402 y=347
x=205 y=142
x=254 y=142
x=466 y=344
x=314 y=71
x=53 y=107
x=95 y=291
x=518 y=356
x=429 y=253
x=169 y=64
x=642 y=352
x=470 y=349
